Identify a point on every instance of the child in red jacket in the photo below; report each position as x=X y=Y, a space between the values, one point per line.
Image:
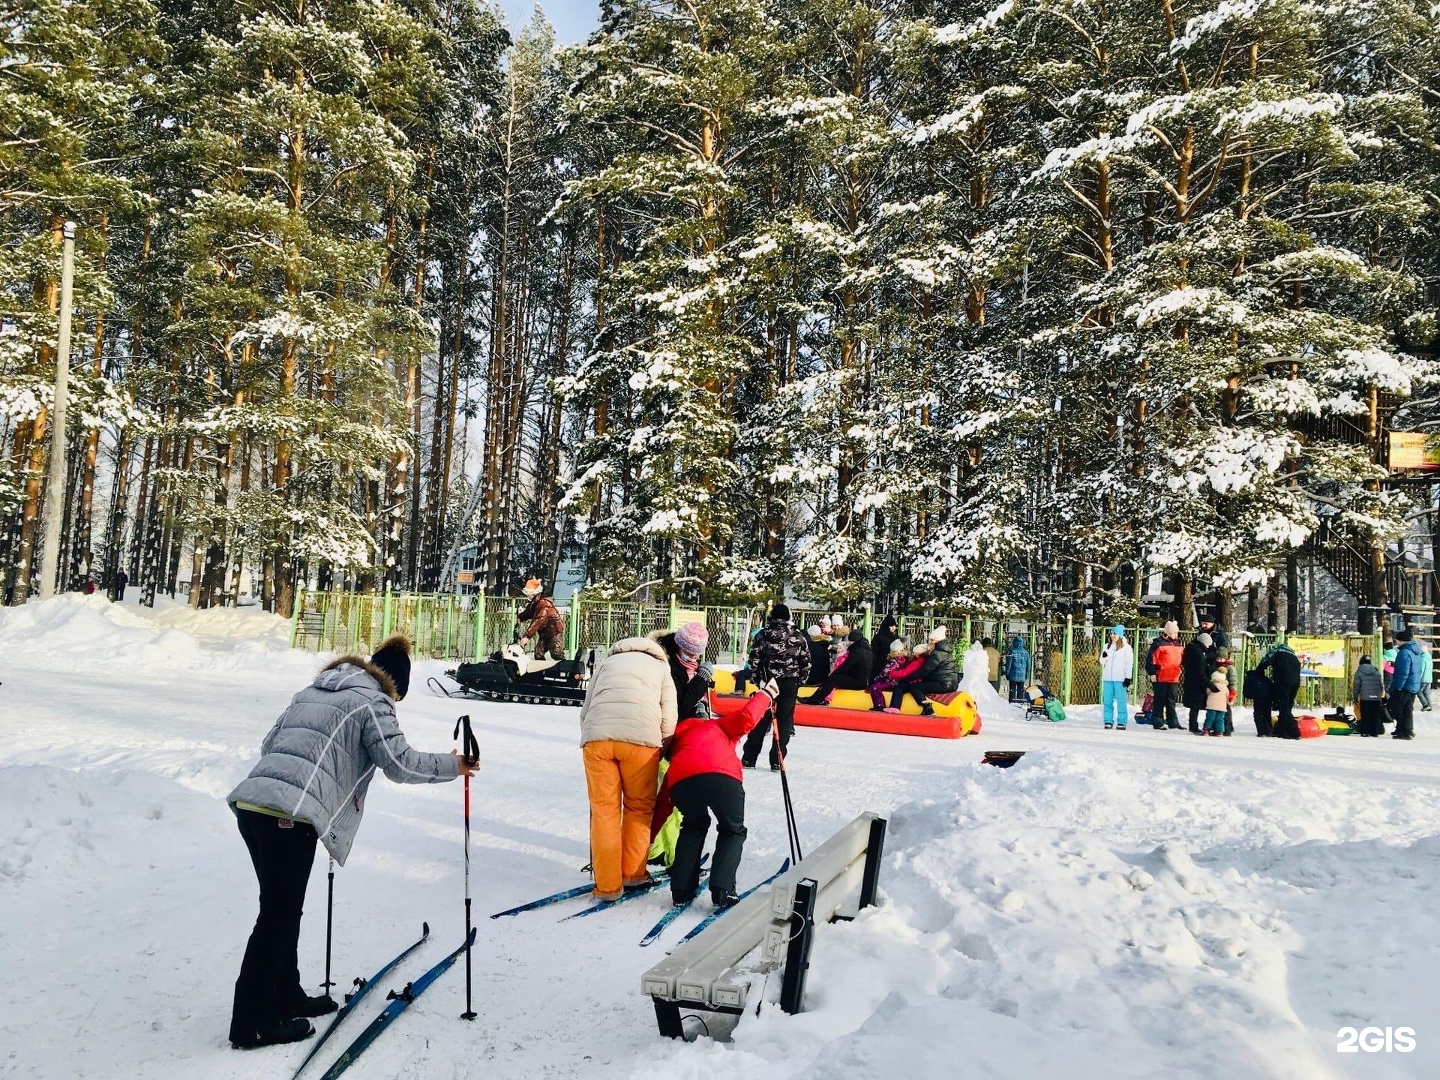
x=704 y=778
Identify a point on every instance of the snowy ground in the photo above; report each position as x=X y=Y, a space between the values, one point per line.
x=1119 y=904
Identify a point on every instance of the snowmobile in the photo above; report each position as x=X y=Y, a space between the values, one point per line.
x=510 y=675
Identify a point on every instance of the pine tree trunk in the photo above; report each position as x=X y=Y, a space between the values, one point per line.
x=115 y=524
x=142 y=511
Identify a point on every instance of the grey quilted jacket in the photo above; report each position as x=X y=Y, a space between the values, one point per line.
x=317 y=760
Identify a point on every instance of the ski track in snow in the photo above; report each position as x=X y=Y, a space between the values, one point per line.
x=1118 y=904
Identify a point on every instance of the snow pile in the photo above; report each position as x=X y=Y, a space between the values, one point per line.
x=1070 y=917
x=94 y=630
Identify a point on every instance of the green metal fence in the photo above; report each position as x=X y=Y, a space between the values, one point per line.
x=449 y=627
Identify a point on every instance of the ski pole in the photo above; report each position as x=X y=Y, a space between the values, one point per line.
x=792 y=833
x=329 y=923
x=470 y=750
x=790 y=828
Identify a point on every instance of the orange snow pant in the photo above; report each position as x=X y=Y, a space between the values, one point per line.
x=622 y=779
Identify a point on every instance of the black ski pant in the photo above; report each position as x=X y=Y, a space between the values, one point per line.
x=1017 y=691
x=1162 y=705
x=268 y=989
x=1197 y=720
x=1286 y=726
x=837 y=681
x=1402 y=711
x=1369 y=721
x=918 y=690
x=697 y=797
x=1261 y=707
x=785 y=718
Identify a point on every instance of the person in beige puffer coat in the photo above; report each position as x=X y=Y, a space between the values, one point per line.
x=630 y=710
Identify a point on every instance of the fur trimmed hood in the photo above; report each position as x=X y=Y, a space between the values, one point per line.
x=386 y=684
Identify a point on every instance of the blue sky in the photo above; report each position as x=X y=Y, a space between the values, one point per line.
x=572 y=19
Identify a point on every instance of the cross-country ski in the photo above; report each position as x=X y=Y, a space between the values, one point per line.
x=546 y=901
x=398 y=1003
x=673 y=913
x=357 y=995
x=717 y=913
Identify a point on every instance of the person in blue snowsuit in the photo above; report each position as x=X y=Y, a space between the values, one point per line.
x=1017 y=668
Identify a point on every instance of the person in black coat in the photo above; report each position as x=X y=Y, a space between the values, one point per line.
x=880 y=643
x=1283 y=667
x=819 y=653
x=1219 y=636
x=1261 y=691
x=1195 y=670
x=693 y=678
x=853 y=673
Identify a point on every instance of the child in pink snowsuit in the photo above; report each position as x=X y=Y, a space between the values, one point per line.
x=901 y=665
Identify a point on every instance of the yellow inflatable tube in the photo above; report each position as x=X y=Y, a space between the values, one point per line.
x=958 y=705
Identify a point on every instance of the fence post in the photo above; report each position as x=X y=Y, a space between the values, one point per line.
x=385 y=613
x=968 y=638
x=572 y=627
x=674 y=611
x=295 y=614
x=480 y=625
x=1067 y=678
x=868 y=621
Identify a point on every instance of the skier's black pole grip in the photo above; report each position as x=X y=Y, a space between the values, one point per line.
x=469 y=748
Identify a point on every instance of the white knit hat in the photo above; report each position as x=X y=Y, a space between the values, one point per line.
x=939 y=634
x=898 y=645
x=1172 y=628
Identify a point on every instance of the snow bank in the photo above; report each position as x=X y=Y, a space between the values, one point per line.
x=172 y=634
x=1072 y=917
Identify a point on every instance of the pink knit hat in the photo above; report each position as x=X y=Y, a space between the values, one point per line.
x=692 y=638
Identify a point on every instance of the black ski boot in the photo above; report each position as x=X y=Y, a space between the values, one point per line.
x=724 y=899
x=319 y=1005
x=296 y=1029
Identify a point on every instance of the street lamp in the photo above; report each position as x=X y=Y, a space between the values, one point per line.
x=55 y=492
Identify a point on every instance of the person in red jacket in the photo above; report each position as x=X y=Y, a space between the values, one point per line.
x=1164 y=662
x=704 y=779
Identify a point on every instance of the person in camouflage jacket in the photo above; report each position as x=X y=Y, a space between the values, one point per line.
x=782 y=653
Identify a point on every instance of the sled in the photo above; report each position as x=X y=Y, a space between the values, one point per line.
x=1002 y=759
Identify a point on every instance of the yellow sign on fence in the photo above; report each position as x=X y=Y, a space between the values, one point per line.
x=684 y=615
x=1323 y=655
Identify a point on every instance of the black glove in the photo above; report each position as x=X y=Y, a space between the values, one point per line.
x=1127 y=683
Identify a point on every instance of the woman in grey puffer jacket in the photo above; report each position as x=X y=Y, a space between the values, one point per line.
x=310 y=783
